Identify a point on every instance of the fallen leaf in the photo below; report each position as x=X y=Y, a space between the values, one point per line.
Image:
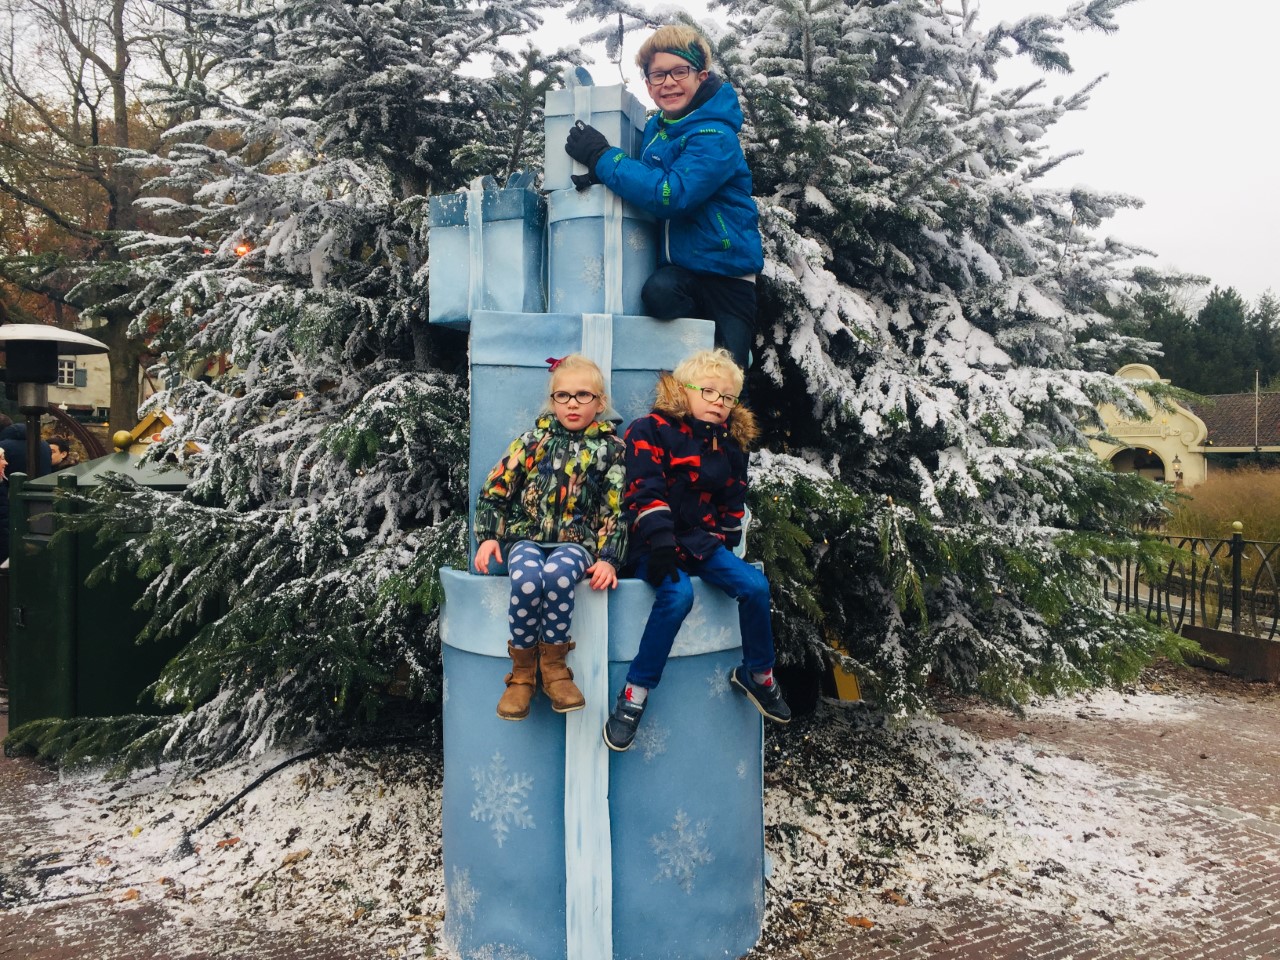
x=103 y=861
x=131 y=894
x=862 y=922
x=893 y=896
x=135 y=831
x=228 y=842
x=296 y=857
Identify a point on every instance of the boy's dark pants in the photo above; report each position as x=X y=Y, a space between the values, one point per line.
x=673 y=601
x=673 y=291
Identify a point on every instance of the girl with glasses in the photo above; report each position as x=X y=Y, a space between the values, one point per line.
x=552 y=504
x=692 y=175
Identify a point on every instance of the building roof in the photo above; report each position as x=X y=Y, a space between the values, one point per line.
x=1231 y=419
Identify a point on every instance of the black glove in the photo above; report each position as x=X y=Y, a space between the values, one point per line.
x=585 y=144
x=662 y=566
x=583 y=181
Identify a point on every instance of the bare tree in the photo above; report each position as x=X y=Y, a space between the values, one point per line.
x=71 y=78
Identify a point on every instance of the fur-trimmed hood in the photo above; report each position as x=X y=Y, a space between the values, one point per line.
x=671 y=400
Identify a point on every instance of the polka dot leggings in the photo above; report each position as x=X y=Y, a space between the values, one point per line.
x=543 y=578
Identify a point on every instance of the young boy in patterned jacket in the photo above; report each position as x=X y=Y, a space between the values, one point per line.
x=684 y=506
x=692 y=175
x=554 y=501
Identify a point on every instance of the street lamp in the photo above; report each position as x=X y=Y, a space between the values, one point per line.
x=31 y=364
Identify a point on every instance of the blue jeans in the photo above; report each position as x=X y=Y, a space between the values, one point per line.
x=673 y=602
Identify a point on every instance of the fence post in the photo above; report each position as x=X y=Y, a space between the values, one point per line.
x=1237 y=560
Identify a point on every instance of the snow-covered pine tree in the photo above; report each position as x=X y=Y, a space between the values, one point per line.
x=323 y=421
x=934 y=344
x=932 y=353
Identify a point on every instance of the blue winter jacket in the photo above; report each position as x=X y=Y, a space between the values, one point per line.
x=693 y=176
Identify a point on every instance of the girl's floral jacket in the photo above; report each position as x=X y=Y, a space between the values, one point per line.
x=558 y=486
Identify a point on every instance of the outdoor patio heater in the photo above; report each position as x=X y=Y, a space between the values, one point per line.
x=32 y=351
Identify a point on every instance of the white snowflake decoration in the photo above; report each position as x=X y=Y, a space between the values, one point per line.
x=444 y=692
x=651 y=738
x=497 y=597
x=639 y=402
x=498 y=951
x=698 y=629
x=717 y=685
x=593 y=274
x=463 y=897
x=681 y=851
x=524 y=417
x=742 y=769
x=500 y=798
x=638 y=239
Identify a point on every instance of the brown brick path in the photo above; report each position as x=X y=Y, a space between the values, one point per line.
x=1218 y=779
x=101 y=927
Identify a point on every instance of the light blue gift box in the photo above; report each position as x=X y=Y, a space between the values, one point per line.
x=557 y=848
x=510 y=379
x=612 y=110
x=600 y=252
x=487 y=251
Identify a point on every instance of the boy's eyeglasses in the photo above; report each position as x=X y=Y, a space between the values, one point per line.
x=711 y=396
x=675 y=73
x=582 y=396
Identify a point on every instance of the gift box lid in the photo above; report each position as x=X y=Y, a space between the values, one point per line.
x=614 y=98
x=505 y=203
x=638 y=343
x=574 y=204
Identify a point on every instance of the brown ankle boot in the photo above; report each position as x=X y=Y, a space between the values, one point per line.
x=557 y=678
x=522 y=683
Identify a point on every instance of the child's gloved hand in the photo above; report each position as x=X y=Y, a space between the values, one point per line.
x=585 y=144
x=662 y=566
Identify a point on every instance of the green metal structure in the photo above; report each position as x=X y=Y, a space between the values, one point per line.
x=73 y=649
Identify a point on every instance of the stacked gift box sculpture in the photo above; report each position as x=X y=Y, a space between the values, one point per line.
x=554 y=847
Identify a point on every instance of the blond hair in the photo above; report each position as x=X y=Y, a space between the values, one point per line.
x=677 y=39
x=575 y=363
x=710 y=363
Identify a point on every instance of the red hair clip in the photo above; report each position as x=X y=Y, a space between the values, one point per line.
x=553 y=362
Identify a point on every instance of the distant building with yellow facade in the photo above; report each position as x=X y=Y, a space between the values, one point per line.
x=1176 y=445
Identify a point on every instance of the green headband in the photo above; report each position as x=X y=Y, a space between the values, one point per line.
x=693 y=55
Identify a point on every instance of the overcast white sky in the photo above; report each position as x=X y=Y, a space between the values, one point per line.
x=1185 y=120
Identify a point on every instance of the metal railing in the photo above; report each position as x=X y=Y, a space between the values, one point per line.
x=1223 y=584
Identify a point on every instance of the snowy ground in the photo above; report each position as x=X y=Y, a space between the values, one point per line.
x=865 y=826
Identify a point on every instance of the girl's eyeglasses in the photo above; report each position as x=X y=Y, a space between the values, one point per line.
x=582 y=396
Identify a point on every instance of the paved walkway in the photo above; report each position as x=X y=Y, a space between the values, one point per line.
x=1219 y=780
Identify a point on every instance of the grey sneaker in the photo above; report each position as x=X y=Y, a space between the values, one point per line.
x=768 y=700
x=620 y=728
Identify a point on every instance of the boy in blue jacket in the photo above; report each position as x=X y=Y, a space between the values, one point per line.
x=686 y=492
x=692 y=176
